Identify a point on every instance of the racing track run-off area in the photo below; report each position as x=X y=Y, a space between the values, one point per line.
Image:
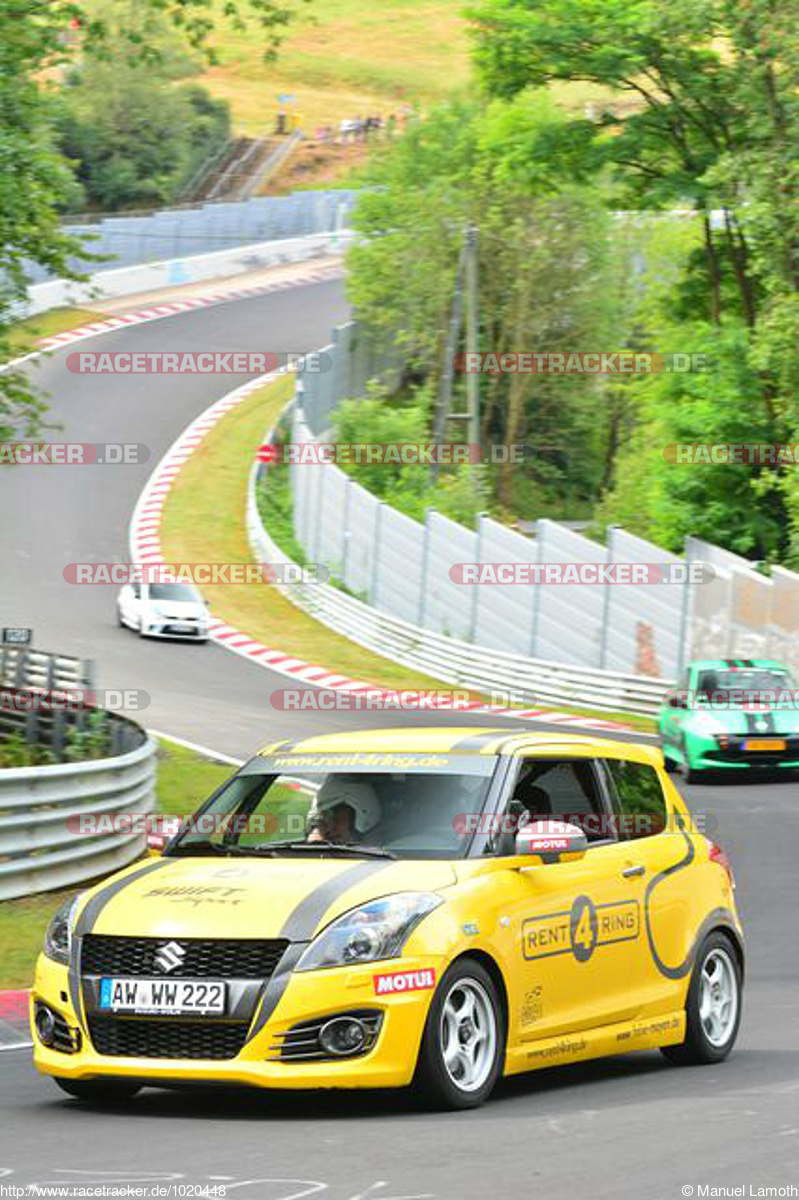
x=633 y=1126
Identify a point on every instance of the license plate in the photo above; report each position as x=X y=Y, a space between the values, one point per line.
x=165 y=997
x=762 y=744
x=176 y=627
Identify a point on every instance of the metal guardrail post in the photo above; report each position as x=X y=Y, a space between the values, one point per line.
x=374 y=584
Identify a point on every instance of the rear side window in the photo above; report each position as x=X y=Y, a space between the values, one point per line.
x=640 y=803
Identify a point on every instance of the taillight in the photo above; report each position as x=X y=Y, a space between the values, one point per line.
x=717 y=855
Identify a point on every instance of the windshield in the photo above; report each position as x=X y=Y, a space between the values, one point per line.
x=418 y=809
x=743 y=685
x=174 y=591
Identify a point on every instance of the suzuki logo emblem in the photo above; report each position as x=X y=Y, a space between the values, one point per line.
x=167 y=958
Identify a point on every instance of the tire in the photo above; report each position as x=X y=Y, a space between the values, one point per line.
x=669 y=764
x=120 y=622
x=439 y=1079
x=716 y=962
x=98 y=1091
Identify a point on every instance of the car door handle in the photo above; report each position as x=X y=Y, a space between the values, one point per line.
x=636 y=869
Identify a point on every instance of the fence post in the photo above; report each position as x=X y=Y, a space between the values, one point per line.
x=373 y=586
x=685 y=614
x=476 y=593
x=429 y=512
x=319 y=494
x=345 y=532
x=539 y=550
x=603 y=633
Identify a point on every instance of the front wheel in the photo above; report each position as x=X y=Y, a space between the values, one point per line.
x=98 y=1091
x=713 y=1007
x=464 y=1039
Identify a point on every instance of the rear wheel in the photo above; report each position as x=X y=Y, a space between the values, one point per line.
x=464 y=1039
x=98 y=1091
x=713 y=1007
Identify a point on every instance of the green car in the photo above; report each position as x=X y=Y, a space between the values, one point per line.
x=730 y=714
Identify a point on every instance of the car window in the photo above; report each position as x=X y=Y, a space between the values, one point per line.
x=640 y=803
x=410 y=813
x=562 y=790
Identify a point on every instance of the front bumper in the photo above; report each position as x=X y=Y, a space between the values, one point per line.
x=167 y=629
x=390 y=1063
x=723 y=752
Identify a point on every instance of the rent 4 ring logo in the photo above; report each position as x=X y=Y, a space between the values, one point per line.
x=404 y=981
x=581 y=929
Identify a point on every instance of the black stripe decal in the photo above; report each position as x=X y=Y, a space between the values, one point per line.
x=85 y=924
x=300 y=927
x=686 y=860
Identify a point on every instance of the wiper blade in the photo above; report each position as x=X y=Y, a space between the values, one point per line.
x=309 y=847
x=200 y=848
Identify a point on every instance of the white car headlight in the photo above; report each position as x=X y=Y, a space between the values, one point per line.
x=374 y=931
x=58 y=938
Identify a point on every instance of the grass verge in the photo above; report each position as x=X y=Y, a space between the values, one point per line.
x=184 y=779
x=26 y=334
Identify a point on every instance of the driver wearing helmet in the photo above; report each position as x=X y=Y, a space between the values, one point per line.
x=343 y=811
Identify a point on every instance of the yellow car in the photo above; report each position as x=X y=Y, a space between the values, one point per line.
x=435 y=907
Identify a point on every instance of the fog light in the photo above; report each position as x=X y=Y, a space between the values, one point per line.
x=45 y=1025
x=343 y=1035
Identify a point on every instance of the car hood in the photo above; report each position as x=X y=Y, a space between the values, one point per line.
x=752 y=722
x=178 y=608
x=203 y=897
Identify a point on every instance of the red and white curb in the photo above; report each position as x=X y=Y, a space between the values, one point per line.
x=171 y=308
x=14 y=1026
x=145 y=548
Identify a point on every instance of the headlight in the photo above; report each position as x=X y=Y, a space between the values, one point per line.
x=58 y=939
x=376 y=930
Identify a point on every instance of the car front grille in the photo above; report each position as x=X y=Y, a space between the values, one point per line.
x=206 y=958
x=147 y=1037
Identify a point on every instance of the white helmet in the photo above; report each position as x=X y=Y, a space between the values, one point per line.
x=359 y=795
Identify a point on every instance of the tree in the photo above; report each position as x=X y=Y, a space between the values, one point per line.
x=543 y=253
x=36 y=38
x=715 y=125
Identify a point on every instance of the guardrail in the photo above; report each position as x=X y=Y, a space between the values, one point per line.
x=41 y=845
x=23 y=667
x=534 y=681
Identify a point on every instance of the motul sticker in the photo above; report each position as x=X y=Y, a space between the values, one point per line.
x=404 y=981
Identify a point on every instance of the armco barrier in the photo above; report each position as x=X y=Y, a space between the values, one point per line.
x=38 y=851
x=533 y=681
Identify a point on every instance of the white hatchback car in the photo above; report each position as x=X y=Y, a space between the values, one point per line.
x=164 y=610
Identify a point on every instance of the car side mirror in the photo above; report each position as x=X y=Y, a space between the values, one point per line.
x=155 y=844
x=678 y=701
x=549 y=841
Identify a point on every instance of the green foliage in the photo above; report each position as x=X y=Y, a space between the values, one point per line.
x=543 y=260
x=15 y=751
x=459 y=491
x=91 y=741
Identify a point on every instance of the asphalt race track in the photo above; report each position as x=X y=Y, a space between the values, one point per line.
x=621 y=1127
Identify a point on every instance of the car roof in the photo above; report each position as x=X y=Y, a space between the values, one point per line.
x=456 y=740
x=725 y=664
